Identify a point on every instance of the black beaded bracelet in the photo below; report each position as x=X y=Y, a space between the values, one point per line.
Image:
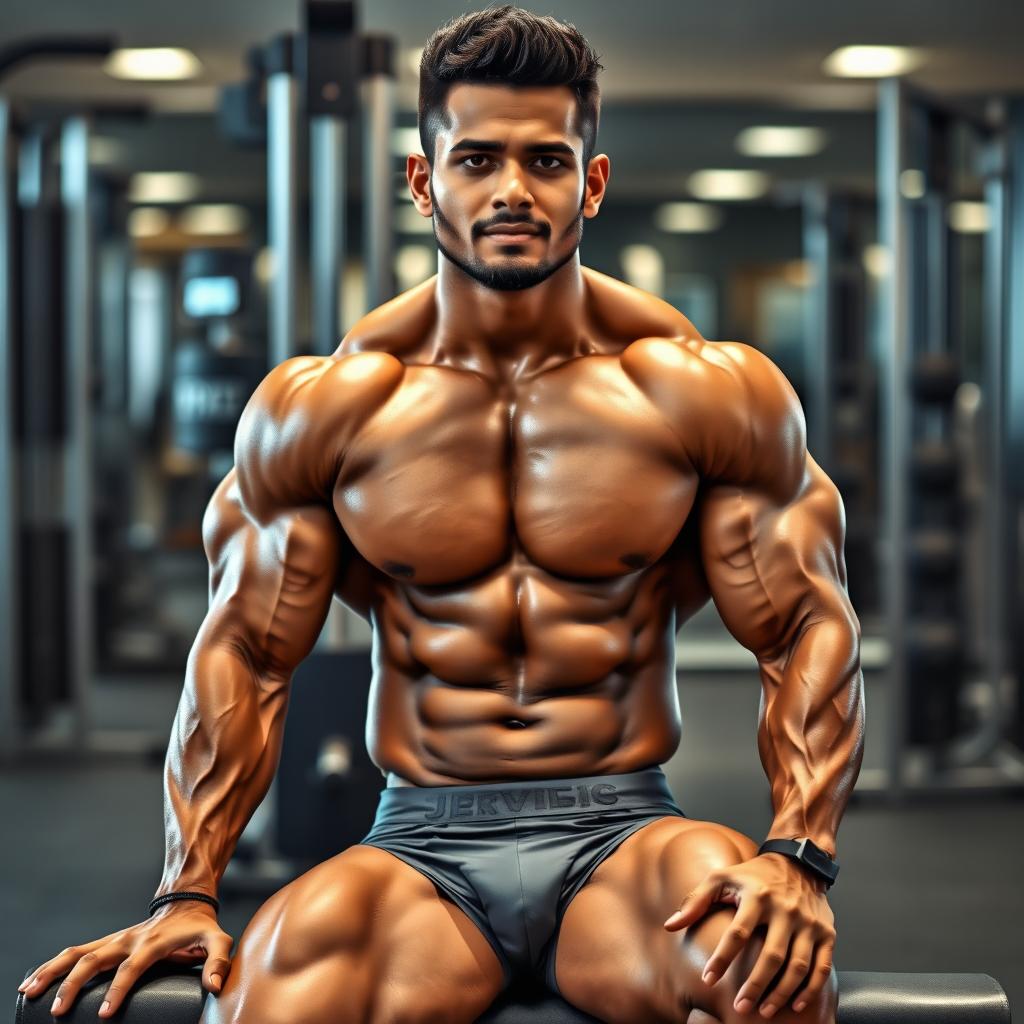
x=170 y=897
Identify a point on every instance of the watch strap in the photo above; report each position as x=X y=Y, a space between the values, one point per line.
x=806 y=853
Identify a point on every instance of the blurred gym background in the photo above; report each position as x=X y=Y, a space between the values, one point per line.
x=192 y=192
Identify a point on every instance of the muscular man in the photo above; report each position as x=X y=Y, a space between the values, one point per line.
x=527 y=476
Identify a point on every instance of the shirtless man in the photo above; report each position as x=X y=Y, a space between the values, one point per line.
x=527 y=476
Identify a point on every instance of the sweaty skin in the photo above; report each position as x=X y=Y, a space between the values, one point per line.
x=526 y=493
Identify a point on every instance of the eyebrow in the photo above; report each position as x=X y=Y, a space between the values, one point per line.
x=490 y=146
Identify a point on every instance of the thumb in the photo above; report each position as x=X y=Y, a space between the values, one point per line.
x=218 y=962
x=695 y=906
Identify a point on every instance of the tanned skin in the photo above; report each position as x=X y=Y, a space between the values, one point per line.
x=526 y=492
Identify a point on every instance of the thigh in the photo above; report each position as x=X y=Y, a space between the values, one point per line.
x=615 y=959
x=362 y=938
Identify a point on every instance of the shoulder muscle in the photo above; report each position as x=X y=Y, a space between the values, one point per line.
x=294 y=430
x=737 y=415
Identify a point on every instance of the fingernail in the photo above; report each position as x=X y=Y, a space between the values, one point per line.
x=105 y=1006
x=56 y=1004
x=744 y=1005
x=799 y=1006
x=710 y=977
x=25 y=984
x=767 y=1010
x=675 y=917
x=215 y=980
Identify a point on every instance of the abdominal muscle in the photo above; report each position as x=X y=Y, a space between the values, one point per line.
x=546 y=718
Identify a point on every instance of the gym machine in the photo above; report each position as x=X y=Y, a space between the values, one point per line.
x=837 y=228
x=47 y=290
x=325 y=785
x=937 y=743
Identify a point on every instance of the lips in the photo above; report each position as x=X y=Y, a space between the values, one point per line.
x=512 y=229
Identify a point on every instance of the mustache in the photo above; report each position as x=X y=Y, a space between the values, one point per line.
x=543 y=230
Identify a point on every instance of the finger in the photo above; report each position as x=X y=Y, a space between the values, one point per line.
x=218 y=962
x=697 y=904
x=773 y=956
x=820 y=972
x=140 y=959
x=734 y=938
x=42 y=977
x=88 y=966
x=799 y=963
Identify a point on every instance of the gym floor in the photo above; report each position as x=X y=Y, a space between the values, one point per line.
x=934 y=886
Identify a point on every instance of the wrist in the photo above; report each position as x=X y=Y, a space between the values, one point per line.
x=190 y=896
x=814 y=861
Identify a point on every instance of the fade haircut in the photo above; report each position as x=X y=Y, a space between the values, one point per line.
x=507 y=46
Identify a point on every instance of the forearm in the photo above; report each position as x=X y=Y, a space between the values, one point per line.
x=811 y=732
x=223 y=752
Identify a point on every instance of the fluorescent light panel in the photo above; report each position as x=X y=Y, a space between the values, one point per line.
x=214 y=219
x=148 y=221
x=688 y=218
x=968 y=218
x=723 y=184
x=163 y=187
x=154 y=64
x=780 y=141
x=871 y=61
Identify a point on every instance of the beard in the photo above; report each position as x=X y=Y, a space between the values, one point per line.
x=511 y=274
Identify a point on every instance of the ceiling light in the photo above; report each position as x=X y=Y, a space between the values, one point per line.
x=409 y=221
x=968 y=218
x=871 y=61
x=413 y=58
x=728 y=184
x=688 y=218
x=163 y=187
x=413 y=265
x=405 y=141
x=875 y=260
x=779 y=140
x=157 y=64
x=643 y=267
x=912 y=183
x=147 y=221
x=214 y=219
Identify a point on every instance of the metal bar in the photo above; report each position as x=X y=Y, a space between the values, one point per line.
x=894 y=359
x=78 y=338
x=327 y=227
x=47 y=47
x=10 y=724
x=378 y=183
x=996 y=284
x=819 y=340
x=282 y=206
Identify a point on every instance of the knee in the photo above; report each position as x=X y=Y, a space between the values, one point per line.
x=719 y=1000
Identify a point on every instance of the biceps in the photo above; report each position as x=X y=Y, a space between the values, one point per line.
x=270 y=584
x=774 y=569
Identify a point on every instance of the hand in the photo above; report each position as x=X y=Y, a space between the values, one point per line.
x=184 y=931
x=774 y=890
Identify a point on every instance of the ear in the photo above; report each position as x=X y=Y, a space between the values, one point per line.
x=417 y=173
x=595 y=184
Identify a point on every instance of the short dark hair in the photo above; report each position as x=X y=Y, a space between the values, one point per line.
x=507 y=46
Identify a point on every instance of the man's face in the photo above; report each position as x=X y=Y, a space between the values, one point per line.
x=509 y=192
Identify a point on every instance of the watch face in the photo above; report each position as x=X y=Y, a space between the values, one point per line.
x=815 y=857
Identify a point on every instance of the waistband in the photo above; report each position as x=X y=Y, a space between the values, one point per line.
x=524 y=799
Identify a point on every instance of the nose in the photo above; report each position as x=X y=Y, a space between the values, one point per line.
x=511 y=192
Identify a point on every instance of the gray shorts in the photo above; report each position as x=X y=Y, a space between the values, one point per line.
x=512 y=855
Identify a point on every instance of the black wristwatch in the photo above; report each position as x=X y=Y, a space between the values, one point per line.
x=813 y=857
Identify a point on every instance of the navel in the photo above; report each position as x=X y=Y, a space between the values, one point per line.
x=634 y=561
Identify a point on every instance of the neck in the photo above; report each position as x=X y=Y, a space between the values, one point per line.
x=488 y=330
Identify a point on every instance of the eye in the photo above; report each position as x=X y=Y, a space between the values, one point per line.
x=475 y=156
x=557 y=163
